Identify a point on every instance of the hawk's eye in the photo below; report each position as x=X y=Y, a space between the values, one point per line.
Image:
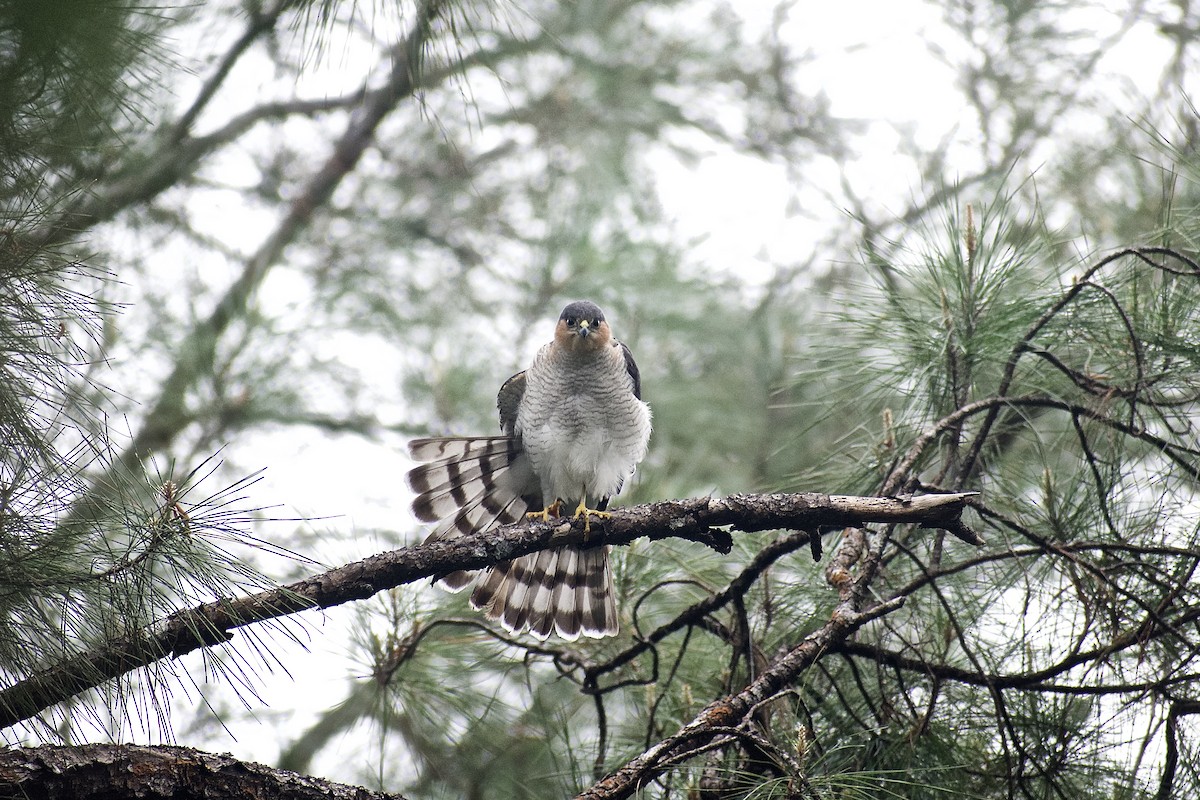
x=570 y=322
x=595 y=323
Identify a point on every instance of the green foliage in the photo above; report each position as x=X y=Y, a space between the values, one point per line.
x=84 y=562
x=988 y=338
x=1064 y=394
x=70 y=78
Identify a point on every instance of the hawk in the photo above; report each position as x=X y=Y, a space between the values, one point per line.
x=575 y=427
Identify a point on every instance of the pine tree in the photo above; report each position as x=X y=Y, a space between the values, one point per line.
x=1010 y=360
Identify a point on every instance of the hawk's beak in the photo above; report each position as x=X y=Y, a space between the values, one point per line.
x=584 y=330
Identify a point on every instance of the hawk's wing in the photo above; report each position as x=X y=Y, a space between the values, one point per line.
x=632 y=367
x=508 y=400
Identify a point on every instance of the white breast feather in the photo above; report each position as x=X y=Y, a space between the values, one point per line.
x=582 y=427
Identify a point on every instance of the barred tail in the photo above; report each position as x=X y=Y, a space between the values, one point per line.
x=567 y=591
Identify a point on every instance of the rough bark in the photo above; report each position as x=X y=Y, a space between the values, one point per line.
x=81 y=772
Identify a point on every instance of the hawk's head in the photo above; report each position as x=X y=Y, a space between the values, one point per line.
x=582 y=328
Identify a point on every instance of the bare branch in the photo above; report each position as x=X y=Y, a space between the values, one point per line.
x=729 y=711
x=695 y=520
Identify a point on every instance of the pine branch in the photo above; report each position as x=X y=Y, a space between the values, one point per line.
x=174 y=155
x=97 y=771
x=169 y=415
x=1169 y=261
x=732 y=711
x=698 y=519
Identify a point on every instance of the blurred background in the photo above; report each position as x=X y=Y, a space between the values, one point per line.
x=278 y=239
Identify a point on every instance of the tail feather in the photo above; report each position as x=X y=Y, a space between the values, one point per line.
x=555 y=604
x=458 y=448
x=474 y=517
x=464 y=509
x=525 y=579
x=471 y=484
x=594 y=594
x=458 y=467
x=441 y=489
x=567 y=591
x=478 y=514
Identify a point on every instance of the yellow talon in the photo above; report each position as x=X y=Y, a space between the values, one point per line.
x=582 y=510
x=548 y=513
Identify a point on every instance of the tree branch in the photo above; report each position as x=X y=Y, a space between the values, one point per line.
x=695 y=519
x=729 y=712
x=260 y=22
x=175 y=153
x=1179 y=708
x=1144 y=254
x=992 y=405
x=82 y=772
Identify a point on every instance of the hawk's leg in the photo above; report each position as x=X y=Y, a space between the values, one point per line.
x=587 y=513
x=546 y=514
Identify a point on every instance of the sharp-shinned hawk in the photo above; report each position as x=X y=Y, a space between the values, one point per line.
x=574 y=429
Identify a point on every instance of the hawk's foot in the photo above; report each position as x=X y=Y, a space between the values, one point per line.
x=582 y=510
x=548 y=513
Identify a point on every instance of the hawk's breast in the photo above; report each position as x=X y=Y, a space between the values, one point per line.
x=581 y=425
